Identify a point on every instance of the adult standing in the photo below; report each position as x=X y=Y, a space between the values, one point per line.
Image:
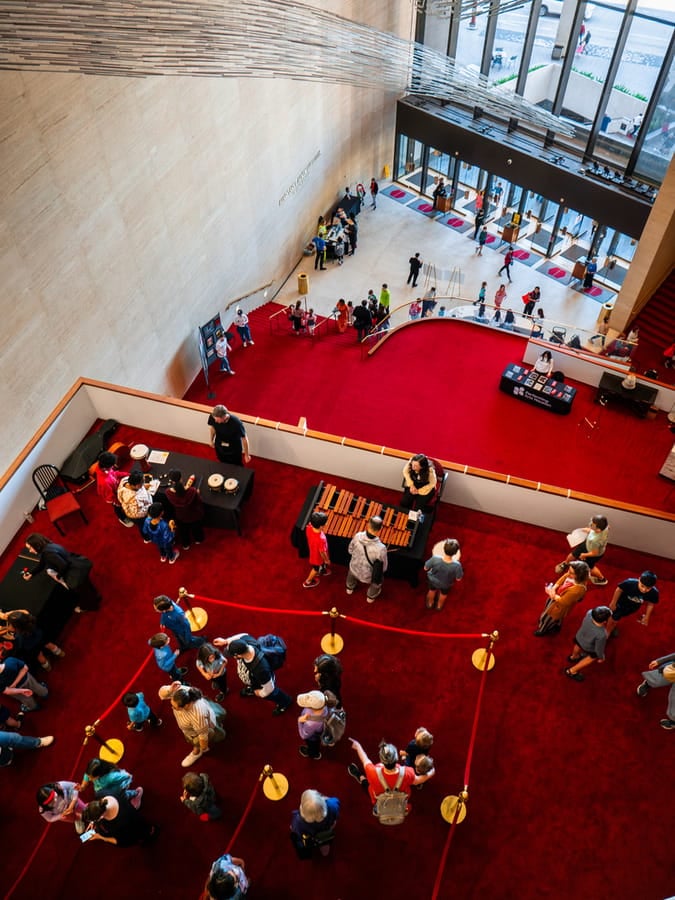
x=374 y=190
x=198 y=718
x=135 y=499
x=590 y=642
x=508 y=259
x=228 y=437
x=108 y=478
x=530 y=300
x=442 y=572
x=439 y=191
x=428 y=302
x=222 y=349
x=419 y=483
x=589 y=274
x=362 y=320
x=227 y=879
x=115 y=821
x=661 y=673
x=254 y=671
x=387 y=769
x=188 y=509
x=385 y=298
x=328 y=675
x=478 y=221
x=313 y=823
x=415 y=267
x=320 y=256
x=366 y=550
x=568 y=590
x=240 y=322
x=482 y=239
x=352 y=232
x=631 y=595
x=341 y=315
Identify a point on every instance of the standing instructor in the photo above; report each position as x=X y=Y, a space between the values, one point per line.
x=228 y=437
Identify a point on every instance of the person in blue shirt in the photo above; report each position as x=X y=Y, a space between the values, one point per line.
x=165 y=657
x=139 y=712
x=320 y=257
x=161 y=533
x=173 y=619
x=313 y=824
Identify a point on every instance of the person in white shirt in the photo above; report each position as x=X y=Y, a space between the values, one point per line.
x=240 y=322
x=544 y=364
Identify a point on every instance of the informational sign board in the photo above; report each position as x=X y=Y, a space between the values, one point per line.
x=208 y=334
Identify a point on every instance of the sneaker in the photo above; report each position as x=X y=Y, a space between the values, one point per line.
x=252 y=343
x=219 y=697
x=325 y=570
x=349 y=590
x=46 y=741
x=147 y=541
x=599 y=581
x=126 y=522
x=371 y=599
x=174 y=557
x=182 y=671
x=158 y=723
x=642 y=689
x=668 y=724
x=303 y=751
x=246 y=692
x=162 y=559
x=575 y=676
x=136 y=802
x=58 y=652
x=46 y=665
x=354 y=771
x=186 y=546
x=191 y=758
x=134 y=726
x=279 y=709
x=310 y=583
x=561 y=567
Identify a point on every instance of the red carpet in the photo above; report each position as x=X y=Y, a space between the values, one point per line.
x=570 y=793
x=435 y=388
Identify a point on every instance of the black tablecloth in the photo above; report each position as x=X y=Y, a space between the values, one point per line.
x=526 y=384
x=639 y=399
x=221 y=510
x=50 y=603
x=404 y=563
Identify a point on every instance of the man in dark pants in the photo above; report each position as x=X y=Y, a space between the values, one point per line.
x=362 y=320
x=415 y=266
x=254 y=671
x=228 y=437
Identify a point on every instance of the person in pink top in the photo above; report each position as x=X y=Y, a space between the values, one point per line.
x=500 y=296
x=108 y=478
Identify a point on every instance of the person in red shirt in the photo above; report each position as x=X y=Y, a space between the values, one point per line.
x=317 y=542
x=389 y=767
x=108 y=479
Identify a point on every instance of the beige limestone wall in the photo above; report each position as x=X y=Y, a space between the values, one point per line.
x=132 y=210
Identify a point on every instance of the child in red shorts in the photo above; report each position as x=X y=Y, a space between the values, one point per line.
x=318 y=549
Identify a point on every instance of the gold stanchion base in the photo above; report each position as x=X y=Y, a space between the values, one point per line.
x=275 y=787
x=478 y=659
x=332 y=643
x=448 y=807
x=115 y=754
x=197 y=617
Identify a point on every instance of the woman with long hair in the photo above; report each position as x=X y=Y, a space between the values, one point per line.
x=188 y=509
x=568 y=590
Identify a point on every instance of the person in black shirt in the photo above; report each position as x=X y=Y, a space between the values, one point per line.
x=228 y=437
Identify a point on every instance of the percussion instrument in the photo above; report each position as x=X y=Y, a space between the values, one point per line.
x=215 y=482
x=139 y=454
x=348 y=514
x=231 y=486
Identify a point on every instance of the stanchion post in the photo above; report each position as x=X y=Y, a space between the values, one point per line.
x=484 y=657
x=332 y=642
x=275 y=785
x=196 y=616
x=112 y=750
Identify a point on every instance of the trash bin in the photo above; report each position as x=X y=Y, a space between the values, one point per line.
x=303 y=283
x=386 y=172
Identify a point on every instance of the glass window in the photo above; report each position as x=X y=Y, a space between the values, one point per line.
x=410 y=153
x=470 y=40
x=507 y=48
x=659 y=141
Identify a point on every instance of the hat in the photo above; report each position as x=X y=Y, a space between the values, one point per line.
x=165 y=692
x=237 y=648
x=312 y=700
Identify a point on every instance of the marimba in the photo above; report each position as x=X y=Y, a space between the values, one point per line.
x=348 y=514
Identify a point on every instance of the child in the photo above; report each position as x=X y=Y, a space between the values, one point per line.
x=590 y=641
x=590 y=550
x=350 y=312
x=108 y=778
x=108 y=478
x=441 y=312
x=310 y=723
x=482 y=238
x=165 y=657
x=481 y=294
x=200 y=797
x=419 y=746
x=139 y=712
x=442 y=573
x=173 y=619
x=158 y=531
x=213 y=666
x=318 y=549
x=310 y=322
x=340 y=251
x=415 y=309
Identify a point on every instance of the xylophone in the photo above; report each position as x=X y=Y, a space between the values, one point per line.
x=348 y=514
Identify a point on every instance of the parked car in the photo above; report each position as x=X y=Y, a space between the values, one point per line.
x=555 y=8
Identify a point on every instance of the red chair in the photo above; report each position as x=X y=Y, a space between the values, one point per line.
x=58 y=500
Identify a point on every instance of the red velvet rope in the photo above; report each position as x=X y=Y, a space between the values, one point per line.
x=243 y=818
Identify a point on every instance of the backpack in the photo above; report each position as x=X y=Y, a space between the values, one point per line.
x=391 y=806
x=333 y=727
x=274 y=649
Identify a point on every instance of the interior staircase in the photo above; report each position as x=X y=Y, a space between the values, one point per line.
x=656 y=323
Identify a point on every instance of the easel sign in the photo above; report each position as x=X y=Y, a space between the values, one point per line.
x=208 y=334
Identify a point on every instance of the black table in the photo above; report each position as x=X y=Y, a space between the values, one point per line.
x=528 y=385
x=50 y=603
x=221 y=510
x=640 y=398
x=404 y=563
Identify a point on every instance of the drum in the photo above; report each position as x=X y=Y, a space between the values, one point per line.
x=231 y=486
x=139 y=454
x=215 y=482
